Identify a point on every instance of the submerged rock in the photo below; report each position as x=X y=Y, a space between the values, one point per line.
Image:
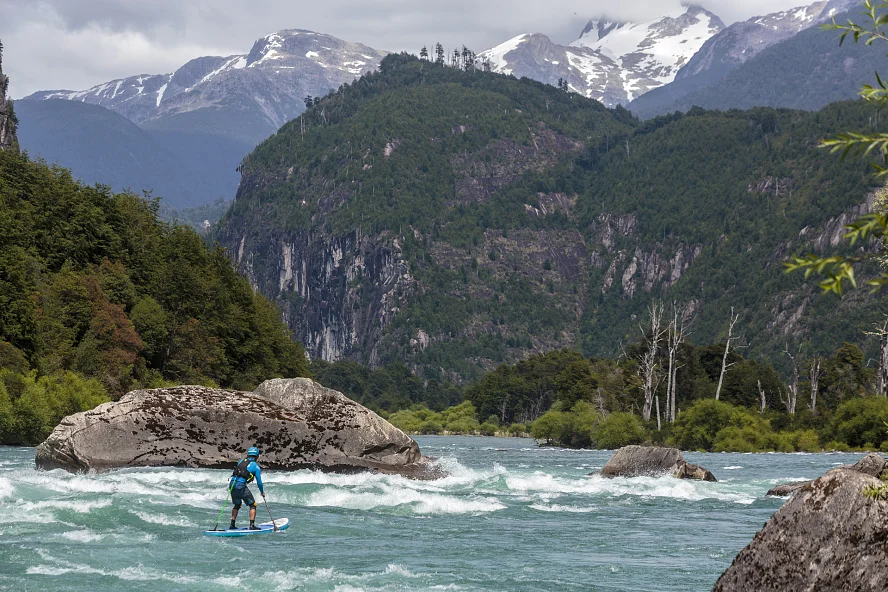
x=297 y=424
x=637 y=461
x=786 y=489
x=686 y=470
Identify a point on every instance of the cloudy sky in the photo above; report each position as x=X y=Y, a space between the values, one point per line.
x=76 y=44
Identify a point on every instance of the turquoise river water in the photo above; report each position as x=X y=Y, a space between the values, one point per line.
x=510 y=517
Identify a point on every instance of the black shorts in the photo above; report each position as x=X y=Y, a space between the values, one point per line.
x=242 y=494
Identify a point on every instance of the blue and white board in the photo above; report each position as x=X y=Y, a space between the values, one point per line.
x=264 y=528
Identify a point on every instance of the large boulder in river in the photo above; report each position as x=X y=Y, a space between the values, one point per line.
x=828 y=536
x=297 y=424
x=637 y=461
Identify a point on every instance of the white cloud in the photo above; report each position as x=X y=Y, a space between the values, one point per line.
x=75 y=44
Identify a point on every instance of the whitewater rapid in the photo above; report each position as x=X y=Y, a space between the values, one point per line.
x=509 y=516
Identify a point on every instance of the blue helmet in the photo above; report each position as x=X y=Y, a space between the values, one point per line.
x=253 y=452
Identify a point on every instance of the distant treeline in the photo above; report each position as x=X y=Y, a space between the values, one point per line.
x=566 y=399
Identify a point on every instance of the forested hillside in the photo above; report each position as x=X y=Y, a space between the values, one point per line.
x=455 y=219
x=98 y=297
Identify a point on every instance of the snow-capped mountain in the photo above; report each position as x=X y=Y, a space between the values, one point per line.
x=742 y=41
x=271 y=81
x=535 y=56
x=732 y=48
x=650 y=54
x=613 y=62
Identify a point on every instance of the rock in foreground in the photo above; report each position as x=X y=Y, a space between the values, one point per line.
x=637 y=461
x=828 y=536
x=296 y=423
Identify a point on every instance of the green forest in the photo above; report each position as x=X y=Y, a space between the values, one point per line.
x=565 y=399
x=532 y=219
x=99 y=297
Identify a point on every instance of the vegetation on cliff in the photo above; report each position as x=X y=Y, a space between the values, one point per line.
x=98 y=297
x=512 y=218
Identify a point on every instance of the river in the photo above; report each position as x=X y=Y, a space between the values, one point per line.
x=510 y=517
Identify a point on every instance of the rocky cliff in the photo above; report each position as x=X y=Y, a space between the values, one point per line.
x=455 y=220
x=8 y=121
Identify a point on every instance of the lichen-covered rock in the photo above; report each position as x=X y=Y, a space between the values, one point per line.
x=828 y=536
x=637 y=461
x=296 y=423
x=361 y=432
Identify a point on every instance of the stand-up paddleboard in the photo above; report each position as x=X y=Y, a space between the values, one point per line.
x=264 y=528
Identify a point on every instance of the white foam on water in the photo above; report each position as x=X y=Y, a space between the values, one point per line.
x=81 y=507
x=732 y=468
x=164 y=519
x=559 y=508
x=83 y=536
x=546 y=484
x=394 y=568
x=6 y=488
x=132 y=573
x=417 y=501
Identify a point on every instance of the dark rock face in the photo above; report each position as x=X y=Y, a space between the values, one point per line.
x=829 y=536
x=8 y=140
x=686 y=470
x=297 y=424
x=638 y=461
x=787 y=489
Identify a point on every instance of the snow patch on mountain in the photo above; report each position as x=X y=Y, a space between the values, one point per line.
x=272 y=79
x=612 y=61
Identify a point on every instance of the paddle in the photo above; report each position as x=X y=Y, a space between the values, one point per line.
x=273 y=523
x=219 y=517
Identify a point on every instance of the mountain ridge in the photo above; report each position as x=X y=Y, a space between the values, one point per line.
x=455 y=220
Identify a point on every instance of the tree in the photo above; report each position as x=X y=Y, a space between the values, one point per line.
x=648 y=366
x=424 y=53
x=725 y=365
x=309 y=101
x=839 y=269
x=792 y=390
x=439 y=54
x=676 y=334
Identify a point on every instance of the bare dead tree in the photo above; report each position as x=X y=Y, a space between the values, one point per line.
x=763 y=399
x=657 y=399
x=601 y=408
x=792 y=390
x=725 y=365
x=882 y=333
x=648 y=367
x=814 y=381
x=677 y=332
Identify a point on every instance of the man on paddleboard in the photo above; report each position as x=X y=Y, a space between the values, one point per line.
x=245 y=471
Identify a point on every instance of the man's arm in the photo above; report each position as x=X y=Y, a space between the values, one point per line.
x=257 y=472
